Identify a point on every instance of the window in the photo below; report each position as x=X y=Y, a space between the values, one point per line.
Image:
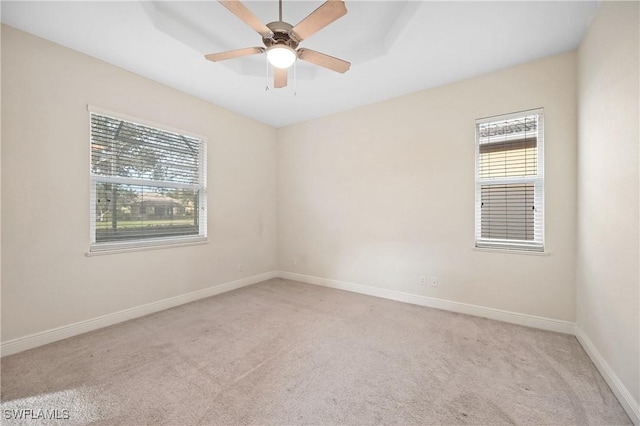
x=510 y=181
x=148 y=185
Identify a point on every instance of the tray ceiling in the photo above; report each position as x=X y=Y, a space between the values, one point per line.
x=395 y=47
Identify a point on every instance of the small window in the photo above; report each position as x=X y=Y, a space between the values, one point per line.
x=148 y=184
x=510 y=181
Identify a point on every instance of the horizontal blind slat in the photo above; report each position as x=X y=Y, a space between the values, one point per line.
x=124 y=149
x=509 y=200
x=148 y=184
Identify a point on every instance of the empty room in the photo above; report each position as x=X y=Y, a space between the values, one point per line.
x=320 y=212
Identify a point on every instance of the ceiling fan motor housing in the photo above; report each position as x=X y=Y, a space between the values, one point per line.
x=282 y=35
x=281 y=39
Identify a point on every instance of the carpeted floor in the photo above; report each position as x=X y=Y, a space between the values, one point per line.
x=281 y=352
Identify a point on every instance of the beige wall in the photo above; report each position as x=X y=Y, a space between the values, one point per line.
x=377 y=196
x=0 y=180
x=385 y=193
x=47 y=281
x=608 y=189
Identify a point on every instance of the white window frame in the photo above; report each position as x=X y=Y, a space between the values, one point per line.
x=97 y=247
x=538 y=243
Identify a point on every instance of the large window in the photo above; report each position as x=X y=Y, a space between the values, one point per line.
x=148 y=184
x=510 y=181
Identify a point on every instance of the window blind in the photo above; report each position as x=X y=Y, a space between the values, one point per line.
x=510 y=181
x=148 y=184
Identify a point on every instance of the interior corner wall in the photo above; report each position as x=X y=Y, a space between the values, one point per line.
x=47 y=280
x=0 y=177
x=608 y=279
x=384 y=194
x=364 y=196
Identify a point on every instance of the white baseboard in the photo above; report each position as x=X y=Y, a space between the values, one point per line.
x=624 y=396
x=431 y=302
x=567 y=327
x=619 y=389
x=38 y=339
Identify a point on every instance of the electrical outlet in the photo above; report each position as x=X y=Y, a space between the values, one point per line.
x=294 y=261
x=240 y=267
x=434 y=281
x=423 y=280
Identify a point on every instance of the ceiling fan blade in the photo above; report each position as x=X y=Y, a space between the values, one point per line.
x=247 y=16
x=328 y=12
x=323 y=60
x=279 y=77
x=230 y=54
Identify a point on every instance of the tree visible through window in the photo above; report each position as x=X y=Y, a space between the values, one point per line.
x=510 y=181
x=148 y=184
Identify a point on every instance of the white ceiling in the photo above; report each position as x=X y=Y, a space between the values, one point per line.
x=395 y=47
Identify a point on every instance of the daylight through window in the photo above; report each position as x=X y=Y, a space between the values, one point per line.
x=510 y=181
x=148 y=185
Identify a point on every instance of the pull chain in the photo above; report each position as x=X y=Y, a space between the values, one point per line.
x=266 y=88
x=295 y=78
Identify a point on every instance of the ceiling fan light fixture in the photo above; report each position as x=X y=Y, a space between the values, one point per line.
x=281 y=56
x=281 y=39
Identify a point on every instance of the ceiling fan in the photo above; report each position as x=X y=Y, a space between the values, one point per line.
x=281 y=39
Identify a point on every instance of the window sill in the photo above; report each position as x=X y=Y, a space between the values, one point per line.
x=514 y=251
x=145 y=248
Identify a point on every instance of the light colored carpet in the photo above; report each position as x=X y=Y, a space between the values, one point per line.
x=281 y=352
